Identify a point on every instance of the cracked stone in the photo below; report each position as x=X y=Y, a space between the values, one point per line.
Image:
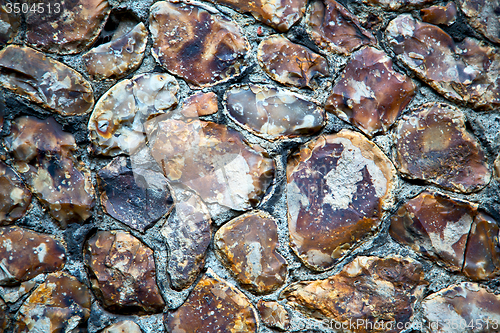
x=274 y=315
x=9 y=23
x=339 y=188
x=247 y=245
x=11 y=294
x=196 y=43
x=433 y=145
x=484 y=16
x=15 y=198
x=397 y=5
x=125 y=326
x=273 y=113
x=45 y=81
x=200 y=104
x=370 y=94
x=446 y=15
x=289 y=63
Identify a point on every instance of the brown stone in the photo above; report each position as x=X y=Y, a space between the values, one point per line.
x=466 y=72
x=43 y=156
x=9 y=23
x=3 y=316
x=433 y=145
x=398 y=4
x=370 y=94
x=200 y=104
x=247 y=245
x=274 y=315
x=339 y=187
x=369 y=289
x=198 y=44
x=11 y=294
x=66 y=27
x=122 y=273
x=215 y=306
x=446 y=15
x=273 y=113
x=334 y=29
x=138 y=99
x=122 y=55
x=45 y=81
x=15 y=198
x=211 y=159
x=484 y=16
x=125 y=326
x=60 y=304
x=24 y=254
x=497 y=167
x=289 y=63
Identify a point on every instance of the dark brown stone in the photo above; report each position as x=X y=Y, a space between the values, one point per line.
x=9 y=23
x=433 y=145
x=247 y=245
x=274 y=315
x=484 y=16
x=370 y=94
x=15 y=198
x=446 y=15
x=200 y=104
x=398 y=4
x=125 y=326
x=3 y=316
x=339 y=187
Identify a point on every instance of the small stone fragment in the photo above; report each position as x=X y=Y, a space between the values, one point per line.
x=398 y=4
x=334 y=29
x=3 y=316
x=433 y=145
x=117 y=124
x=370 y=94
x=2 y=114
x=484 y=16
x=45 y=81
x=9 y=25
x=274 y=315
x=339 y=187
x=60 y=304
x=273 y=113
x=122 y=273
x=214 y=305
x=67 y=26
x=24 y=254
x=126 y=326
x=247 y=245
x=15 y=198
x=11 y=294
x=122 y=55
x=198 y=44
x=497 y=167
x=372 y=290
x=289 y=63
x=200 y=104
x=446 y=15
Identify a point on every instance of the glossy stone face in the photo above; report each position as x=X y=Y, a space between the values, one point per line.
x=45 y=81
x=214 y=305
x=273 y=113
x=117 y=124
x=199 y=45
x=212 y=160
x=433 y=145
x=398 y=4
x=126 y=326
x=334 y=29
x=446 y=15
x=371 y=289
x=370 y=94
x=10 y=24
x=289 y=63
x=15 y=198
x=117 y=259
x=338 y=189
x=68 y=27
x=483 y=15
x=123 y=54
x=25 y=254
x=273 y=315
x=248 y=245
x=200 y=104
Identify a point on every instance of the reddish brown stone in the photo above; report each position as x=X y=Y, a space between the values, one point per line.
x=199 y=45
x=9 y=23
x=334 y=29
x=274 y=315
x=339 y=187
x=125 y=326
x=200 y=104
x=15 y=198
x=215 y=306
x=369 y=290
x=484 y=16
x=440 y=14
x=397 y=4
x=370 y=94
x=45 y=81
x=433 y=145
x=289 y=63
x=248 y=245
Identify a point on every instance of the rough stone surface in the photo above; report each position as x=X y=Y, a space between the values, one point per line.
x=484 y=16
x=9 y=24
x=273 y=315
x=3 y=316
x=200 y=104
x=339 y=187
x=398 y=4
x=11 y=294
x=446 y=15
x=126 y=326
x=15 y=198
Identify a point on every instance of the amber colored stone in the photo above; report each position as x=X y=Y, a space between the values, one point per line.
x=122 y=273
x=43 y=155
x=446 y=15
x=370 y=94
x=67 y=26
x=211 y=159
x=273 y=113
x=215 y=306
x=60 y=304
x=289 y=63
x=339 y=187
x=122 y=55
x=334 y=29
x=45 y=81
x=247 y=245
x=274 y=315
x=14 y=196
x=369 y=290
x=125 y=326
x=200 y=104
x=484 y=16
x=200 y=45
x=398 y=4
x=9 y=24
x=117 y=124
x=24 y=254
x=433 y=145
